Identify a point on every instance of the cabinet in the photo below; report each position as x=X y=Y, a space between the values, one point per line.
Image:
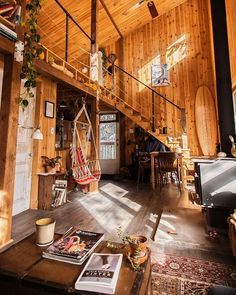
x=46 y=182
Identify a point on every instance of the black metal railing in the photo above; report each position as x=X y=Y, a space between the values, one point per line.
x=155 y=93
x=69 y=16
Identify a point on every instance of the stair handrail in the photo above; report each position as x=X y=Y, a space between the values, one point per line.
x=162 y=96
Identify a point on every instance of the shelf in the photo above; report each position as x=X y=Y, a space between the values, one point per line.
x=7 y=23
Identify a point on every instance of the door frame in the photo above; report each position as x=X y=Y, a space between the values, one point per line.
x=118 y=157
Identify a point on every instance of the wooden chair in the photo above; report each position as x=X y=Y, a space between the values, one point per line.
x=167 y=163
x=144 y=164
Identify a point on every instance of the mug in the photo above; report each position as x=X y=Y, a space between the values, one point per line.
x=45 y=231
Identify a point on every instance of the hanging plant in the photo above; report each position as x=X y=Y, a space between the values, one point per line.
x=32 y=51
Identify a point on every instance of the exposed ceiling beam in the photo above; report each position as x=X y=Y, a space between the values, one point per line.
x=111 y=18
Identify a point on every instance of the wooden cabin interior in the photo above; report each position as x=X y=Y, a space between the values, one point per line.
x=83 y=84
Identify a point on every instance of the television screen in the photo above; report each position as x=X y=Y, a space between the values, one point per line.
x=217 y=183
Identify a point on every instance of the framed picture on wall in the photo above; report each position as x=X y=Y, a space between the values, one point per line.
x=160 y=75
x=49 y=109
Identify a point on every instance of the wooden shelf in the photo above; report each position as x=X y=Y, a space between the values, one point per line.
x=46 y=182
x=7 y=23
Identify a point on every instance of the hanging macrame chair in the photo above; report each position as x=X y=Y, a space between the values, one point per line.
x=84 y=170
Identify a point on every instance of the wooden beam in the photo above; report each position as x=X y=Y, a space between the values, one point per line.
x=119 y=49
x=223 y=75
x=94 y=26
x=8 y=126
x=111 y=18
x=6 y=46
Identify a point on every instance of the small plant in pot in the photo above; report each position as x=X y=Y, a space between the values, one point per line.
x=51 y=165
x=136 y=246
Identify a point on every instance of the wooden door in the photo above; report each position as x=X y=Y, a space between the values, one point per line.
x=109 y=143
x=22 y=186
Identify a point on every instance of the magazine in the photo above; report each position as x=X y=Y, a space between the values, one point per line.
x=100 y=274
x=74 y=246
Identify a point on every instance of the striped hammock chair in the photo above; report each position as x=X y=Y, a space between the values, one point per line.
x=84 y=171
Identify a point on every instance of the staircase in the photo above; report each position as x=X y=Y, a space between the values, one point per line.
x=110 y=97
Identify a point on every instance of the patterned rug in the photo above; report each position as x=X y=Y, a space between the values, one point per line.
x=175 y=275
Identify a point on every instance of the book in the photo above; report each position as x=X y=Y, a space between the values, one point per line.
x=10 y=12
x=74 y=246
x=59 y=193
x=6 y=8
x=100 y=274
x=16 y=17
x=4 y=2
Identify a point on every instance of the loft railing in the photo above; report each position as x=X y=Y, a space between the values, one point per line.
x=69 y=16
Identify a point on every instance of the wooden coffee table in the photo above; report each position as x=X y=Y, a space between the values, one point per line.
x=24 y=271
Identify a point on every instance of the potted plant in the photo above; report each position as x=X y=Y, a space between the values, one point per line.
x=51 y=165
x=136 y=248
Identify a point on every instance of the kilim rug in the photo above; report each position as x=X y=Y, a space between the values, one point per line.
x=175 y=275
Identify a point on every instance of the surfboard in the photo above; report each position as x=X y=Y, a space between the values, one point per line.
x=206 y=121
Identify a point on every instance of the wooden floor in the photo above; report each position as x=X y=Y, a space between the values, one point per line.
x=172 y=223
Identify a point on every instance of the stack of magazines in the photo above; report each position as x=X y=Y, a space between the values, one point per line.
x=74 y=246
x=100 y=274
x=59 y=192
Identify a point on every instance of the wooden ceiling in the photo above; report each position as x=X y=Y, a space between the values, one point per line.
x=52 y=22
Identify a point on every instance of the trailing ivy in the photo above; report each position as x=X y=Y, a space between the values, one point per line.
x=32 y=50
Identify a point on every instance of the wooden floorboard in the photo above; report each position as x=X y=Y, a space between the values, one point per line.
x=176 y=225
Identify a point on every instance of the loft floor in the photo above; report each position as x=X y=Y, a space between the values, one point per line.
x=172 y=223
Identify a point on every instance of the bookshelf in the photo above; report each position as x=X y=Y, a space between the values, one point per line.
x=51 y=191
x=10 y=13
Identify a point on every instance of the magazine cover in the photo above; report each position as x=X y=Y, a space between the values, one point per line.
x=74 y=246
x=100 y=274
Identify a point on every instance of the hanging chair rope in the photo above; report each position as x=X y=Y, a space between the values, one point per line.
x=84 y=171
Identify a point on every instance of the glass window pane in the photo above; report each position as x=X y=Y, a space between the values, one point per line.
x=107 y=117
x=108 y=141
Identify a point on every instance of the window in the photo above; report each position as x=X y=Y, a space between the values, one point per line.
x=108 y=136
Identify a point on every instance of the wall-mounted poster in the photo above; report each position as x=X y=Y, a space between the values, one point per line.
x=160 y=75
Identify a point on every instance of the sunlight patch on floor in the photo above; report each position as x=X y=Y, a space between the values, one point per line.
x=100 y=208
x=168 y=225
x=164 y=235
x=113 y=190
x=153 y=217
x=118 y=193
x=171 y=216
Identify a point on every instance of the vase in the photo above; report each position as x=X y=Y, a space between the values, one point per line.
x=138 y=249
x=50 y=169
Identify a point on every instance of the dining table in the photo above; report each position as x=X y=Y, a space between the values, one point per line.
x=153 y=156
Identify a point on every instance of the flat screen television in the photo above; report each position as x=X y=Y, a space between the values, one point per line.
x=217 y=183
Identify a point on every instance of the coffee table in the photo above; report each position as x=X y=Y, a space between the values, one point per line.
x=23 y=270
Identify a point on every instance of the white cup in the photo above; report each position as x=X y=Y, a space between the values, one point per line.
x=45 y=231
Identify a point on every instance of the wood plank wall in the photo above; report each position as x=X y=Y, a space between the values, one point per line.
x=231 y=16
x=150 y=43
x=46 y=91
